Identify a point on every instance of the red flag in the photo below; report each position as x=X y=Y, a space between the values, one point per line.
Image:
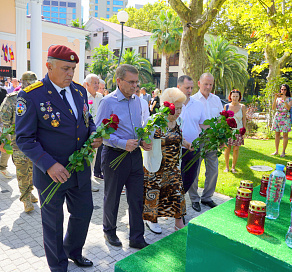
x=11 y=52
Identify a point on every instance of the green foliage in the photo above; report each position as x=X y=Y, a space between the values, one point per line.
x=140 y=18
x=149 y=87
x=228 y=67
x=4 y=139
x=102 y=61
x=76 y=23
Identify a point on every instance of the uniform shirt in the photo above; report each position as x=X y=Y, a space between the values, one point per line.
x=95 y=103
x=146 y=97
x=212 y=104
x=145 y=110
x=68 y=96
x=129 y=113
x=193 y=114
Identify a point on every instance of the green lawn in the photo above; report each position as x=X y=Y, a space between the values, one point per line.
x=253 y=152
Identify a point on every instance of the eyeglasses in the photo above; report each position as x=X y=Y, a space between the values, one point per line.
x=131 y=82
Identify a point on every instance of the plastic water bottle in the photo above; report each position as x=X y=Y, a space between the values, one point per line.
x=288 y=239
x=275 y=191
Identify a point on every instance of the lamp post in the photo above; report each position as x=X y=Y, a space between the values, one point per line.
x=123 y=18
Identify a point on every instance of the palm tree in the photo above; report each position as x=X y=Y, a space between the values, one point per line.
x=143 y=66
x=167 y=31
x=228 y=67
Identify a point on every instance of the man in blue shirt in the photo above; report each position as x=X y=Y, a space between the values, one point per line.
x=126 y=105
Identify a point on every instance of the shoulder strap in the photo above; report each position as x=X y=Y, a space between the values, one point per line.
x=227 y=106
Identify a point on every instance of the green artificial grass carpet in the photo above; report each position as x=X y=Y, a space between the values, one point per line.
x=167 y=254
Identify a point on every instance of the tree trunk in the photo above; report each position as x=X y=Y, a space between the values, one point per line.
x=193 y=53
x=166 y=85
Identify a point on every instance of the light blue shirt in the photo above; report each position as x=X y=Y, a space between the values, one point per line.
x=129 y=113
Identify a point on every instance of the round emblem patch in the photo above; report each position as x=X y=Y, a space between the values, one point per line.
x=72 y=57
x=20 y=108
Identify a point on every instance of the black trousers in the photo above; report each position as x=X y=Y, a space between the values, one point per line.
x=97 y=166
x=189 y=176
x=80 y=206
x=129 y=173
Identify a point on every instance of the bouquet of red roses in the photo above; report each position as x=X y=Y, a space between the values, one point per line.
x=86 y=153
x=215 y=136
x=158 y=120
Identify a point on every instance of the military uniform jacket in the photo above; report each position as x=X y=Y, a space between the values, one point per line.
x=47 y=132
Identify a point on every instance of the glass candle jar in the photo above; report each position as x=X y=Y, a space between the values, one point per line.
x=256 y=217
x=247 y=184
x=289 y=170
x=264 y=185
x=243 y=198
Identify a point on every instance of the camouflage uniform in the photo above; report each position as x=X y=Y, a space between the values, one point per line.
x=22 y=163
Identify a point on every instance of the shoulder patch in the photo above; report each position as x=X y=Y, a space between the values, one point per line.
x=77 y=83
x=33 y=86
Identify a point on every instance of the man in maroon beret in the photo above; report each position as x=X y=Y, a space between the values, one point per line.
x=52 y=122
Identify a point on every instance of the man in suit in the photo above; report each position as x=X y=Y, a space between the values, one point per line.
x=126 y=105
x=53 y=121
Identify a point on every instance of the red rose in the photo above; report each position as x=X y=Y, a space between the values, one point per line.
x=114 y=126
x=231 y=122
x=90 y=102
x=105 y=121
x=224 y=113
x=166 y=104
x=230 y=113
x=172 y=108
x=115 y=118
x=242 y=131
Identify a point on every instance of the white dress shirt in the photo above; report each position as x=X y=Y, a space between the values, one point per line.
x=68 y=96
x=212 y=104
x=145 y=110
x=193 y=115
x=95 y=103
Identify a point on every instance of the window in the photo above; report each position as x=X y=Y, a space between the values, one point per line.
x=55 y=3
x=74 y=10
x=117 y=52
x=104 y=38
x=94 y=34
x=62 y=15
x=47 y=18
x=46 y=14
x=74 y=16
x=116 y=9
x=54 y=9
x=63 y=21
x=54 y=15
x=96 y=1
x=143 y=51
x=95 y=14
x=55 y=20
x=27 y=9
x=107 y=16
x=46 y=3
x=174 y=59
x=46 y=8
x=156 y=78
x=118 y=3
x=96 y=7
x=71 y=5
x=107 y=9
x=62 y=4
x=156 y=58
x=172 y=79
x=88 y=57
x=108 y=2
x=129 y=49
x=62 y=10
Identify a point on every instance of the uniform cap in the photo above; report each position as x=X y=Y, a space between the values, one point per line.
x=30 y=77
x=62 y=52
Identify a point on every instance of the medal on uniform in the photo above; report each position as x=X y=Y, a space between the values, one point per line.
x=58 y=115
x=42 y=107
x=49 y=108
x=85 y=114
x=46 y=116
x=54 y=122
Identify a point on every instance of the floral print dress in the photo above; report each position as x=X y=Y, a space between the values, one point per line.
x=281 y=121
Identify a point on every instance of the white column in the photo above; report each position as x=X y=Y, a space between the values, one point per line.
x=36 y=48
x=21 y=38
x=81 y=60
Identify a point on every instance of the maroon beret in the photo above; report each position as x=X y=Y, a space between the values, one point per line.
x=62 y=52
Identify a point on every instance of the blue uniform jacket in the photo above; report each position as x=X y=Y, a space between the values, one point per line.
x=47 y=132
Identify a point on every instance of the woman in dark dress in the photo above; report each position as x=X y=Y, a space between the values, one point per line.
x=155 y=102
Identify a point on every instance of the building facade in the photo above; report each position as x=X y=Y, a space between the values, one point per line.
x=105 y=8
x=62 y=12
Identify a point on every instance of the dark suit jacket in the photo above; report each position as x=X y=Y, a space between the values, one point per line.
x=41 y=141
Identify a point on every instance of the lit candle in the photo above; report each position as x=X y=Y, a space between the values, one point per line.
x=264 y=185
x=248 y=184
x=243 y=198
x=256 y=217
x=289 y=170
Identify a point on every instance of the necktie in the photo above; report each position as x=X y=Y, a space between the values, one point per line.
x=63 y=93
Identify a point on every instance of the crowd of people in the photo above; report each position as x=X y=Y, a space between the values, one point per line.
x=55 y=116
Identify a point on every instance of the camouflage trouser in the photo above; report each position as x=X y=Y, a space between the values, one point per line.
x=23 y=173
